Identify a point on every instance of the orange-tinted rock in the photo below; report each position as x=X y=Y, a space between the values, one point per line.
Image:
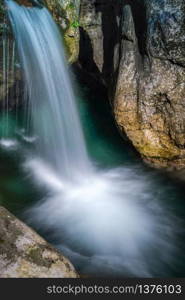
x=150 y=88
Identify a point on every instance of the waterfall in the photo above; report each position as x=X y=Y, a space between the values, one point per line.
x=6 y=72
x=104 y=220
x=51 y=107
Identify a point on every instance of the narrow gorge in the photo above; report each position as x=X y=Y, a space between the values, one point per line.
x=92 y=138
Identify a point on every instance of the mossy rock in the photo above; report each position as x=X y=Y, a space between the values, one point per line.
x=24 y=254
x=66 y=15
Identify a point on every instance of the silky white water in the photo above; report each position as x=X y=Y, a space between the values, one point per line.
x=51 y=108
x=107 y=222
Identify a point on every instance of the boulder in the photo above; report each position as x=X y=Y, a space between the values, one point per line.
x=149 y=101
x=24 y=254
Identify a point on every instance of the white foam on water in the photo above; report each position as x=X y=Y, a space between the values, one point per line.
x=43 y=174
x=27 y=138
x=110 y=222
x=9 y=144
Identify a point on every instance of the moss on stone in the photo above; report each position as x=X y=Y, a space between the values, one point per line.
x=66 y=16
x=35 y=255
x=23 y=253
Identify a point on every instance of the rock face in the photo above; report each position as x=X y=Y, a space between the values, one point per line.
x=66 y=15
x=100 y=38
x=150 y=91
x=137 y=48
x=24 y=254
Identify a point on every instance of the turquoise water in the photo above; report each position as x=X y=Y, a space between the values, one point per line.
x=107 y=149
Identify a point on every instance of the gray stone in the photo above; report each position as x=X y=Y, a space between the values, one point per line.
x=24 y=254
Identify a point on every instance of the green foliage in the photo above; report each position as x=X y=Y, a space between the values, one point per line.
x=75 y=24
x=71 y=5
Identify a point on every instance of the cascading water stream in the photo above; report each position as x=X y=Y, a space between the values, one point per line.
x=7 y=64
x=9 y=85
x=52 y=107
x=103 y=220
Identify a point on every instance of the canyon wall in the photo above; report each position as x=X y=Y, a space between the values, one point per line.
x=137 y=48
x=149 y=102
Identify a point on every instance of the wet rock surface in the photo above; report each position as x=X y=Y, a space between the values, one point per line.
x=24 y=254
